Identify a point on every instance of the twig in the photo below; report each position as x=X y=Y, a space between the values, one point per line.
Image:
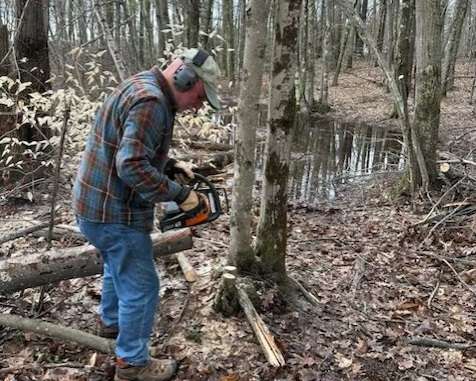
x=308 y=295
x=438 y=203
x=452 y=269
x=443 y=220
x=59 y=158
x=44 y=312
x=23 y=232
x=428 y=342
x=435 y=290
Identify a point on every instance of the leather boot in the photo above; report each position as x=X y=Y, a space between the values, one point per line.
x=155 y=370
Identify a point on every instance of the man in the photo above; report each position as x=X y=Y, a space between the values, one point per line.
x=124 y=171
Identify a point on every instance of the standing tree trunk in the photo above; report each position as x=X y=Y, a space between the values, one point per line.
x=229 y=38
x=207 y=24
x=359 y=44
x=193 y=23
x=241 y=34
x=241 y=253
x=451 y=50
x=4 y=48
x=389 y=32
x=132 y=36
x=151 y=55
x=32 y=56
x=32 y=44
x=405 y=49
x=312 y=56
x=324 y=87
x=272 y=227
x=428 y=80
x=111 y=46
x=381 y=26
x=163 y=21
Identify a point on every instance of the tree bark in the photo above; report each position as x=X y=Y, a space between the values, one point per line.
x=111 y=45
x=229 y=38
x=451 y=49
x=428 y=81
x=359 y=44
x=272 y=226
x=58 y=332
x=241 y=253
x=326 y=45
x=405 y=49
x=193 y=23
x=34 y=270
x=389 y=32
x=163 y=21
x=207 y=24
x=32 y=44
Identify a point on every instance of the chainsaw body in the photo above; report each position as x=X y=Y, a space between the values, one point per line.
x=175 y=218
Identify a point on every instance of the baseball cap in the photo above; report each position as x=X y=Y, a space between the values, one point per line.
x=207 y=70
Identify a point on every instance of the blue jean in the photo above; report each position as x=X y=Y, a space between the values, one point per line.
x=130 y=291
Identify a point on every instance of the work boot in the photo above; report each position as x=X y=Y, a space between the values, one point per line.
x=155 y=370
x=108 y=332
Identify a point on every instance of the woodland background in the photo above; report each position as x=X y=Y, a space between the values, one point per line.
x=347 y=146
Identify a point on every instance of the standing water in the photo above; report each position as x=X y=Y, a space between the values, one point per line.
x=327 y=154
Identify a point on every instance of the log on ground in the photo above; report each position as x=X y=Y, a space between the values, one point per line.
x=35 y=270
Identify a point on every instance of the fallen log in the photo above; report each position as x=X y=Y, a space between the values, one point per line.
x=263 y=334
x=58 y=332
x=35 y=270
x=188 y=271
x=209 y=146
x=23 y=232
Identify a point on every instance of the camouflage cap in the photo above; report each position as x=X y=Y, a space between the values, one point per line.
x=208 y=72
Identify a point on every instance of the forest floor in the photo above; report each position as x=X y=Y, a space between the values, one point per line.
x=380 y=280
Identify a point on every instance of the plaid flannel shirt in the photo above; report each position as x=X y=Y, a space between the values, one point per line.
x=121 y=172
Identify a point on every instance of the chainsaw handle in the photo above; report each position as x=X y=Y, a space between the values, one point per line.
x=210 y=192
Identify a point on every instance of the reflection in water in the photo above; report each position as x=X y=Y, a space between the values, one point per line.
x=327 y=153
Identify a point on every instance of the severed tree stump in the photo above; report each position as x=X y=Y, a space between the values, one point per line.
x=226 y=299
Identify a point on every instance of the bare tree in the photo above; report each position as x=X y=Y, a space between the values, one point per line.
x=228 y=29
x=32 y=43
x=428 y=81
x=241 y=252
x=452 y=46
x=272 y=227
x=405 y=49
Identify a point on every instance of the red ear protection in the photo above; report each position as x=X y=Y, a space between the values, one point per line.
x=185 y=76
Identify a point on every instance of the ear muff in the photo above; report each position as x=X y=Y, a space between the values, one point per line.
x=185 y=78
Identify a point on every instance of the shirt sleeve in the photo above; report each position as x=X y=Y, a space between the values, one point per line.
x=143 y=132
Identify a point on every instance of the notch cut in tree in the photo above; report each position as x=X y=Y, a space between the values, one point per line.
x=39 y=269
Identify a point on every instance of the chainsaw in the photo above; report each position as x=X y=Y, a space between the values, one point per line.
x=175 y=218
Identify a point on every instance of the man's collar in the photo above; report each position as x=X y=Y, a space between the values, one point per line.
x=164 y=86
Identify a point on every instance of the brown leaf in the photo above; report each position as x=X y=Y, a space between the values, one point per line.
x=230 y=377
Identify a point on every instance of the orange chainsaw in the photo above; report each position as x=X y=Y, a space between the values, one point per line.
x=175 y=218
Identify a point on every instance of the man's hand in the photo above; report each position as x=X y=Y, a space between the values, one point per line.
x=193 y=200
x=179 y=171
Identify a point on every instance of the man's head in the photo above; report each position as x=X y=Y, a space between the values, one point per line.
x=193 y=78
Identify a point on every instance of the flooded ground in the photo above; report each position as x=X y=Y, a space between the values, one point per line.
x=327 y=154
